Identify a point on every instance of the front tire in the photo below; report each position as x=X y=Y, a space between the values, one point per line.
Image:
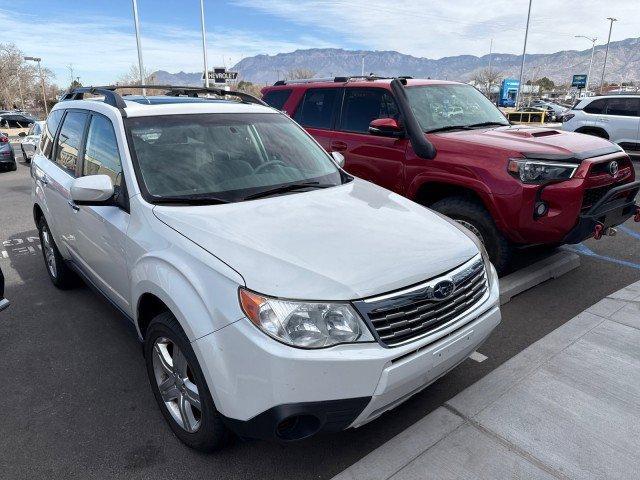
x=59 y=273
x=179 y=386
x=475 y=217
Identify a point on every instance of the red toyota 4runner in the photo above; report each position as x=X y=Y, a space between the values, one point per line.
x=446 y=146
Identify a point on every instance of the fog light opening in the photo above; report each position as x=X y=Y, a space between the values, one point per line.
x=541 y=209
x=297 y=427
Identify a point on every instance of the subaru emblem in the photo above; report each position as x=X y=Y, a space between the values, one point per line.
x=443 y=289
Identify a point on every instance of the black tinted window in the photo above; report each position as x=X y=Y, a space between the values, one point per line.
x=69 y=140
x=597 y=106
x=317 y=107
x=101 y=155
x=50 y=128
x=623 y=106
x=277 y=98
x=361 y=106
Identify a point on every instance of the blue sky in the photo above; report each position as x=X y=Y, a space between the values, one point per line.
x=97 y=38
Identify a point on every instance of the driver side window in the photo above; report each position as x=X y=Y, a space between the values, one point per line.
x=101 y=156
x=363 y=105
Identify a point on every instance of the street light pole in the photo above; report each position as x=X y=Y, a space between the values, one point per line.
x=606 y=52
x=593 y=48
x=136 y=22
x=44 y=96
x=204 y=45
x=524 y=52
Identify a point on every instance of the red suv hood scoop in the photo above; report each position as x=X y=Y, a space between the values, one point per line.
x=533 y=132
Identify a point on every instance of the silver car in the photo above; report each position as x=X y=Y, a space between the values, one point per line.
x=31 y=140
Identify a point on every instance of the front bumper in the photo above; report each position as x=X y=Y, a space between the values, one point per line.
x=268 y=390
x=614 y=208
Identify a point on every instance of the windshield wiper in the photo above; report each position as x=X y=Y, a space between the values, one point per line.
x=487 y=124
x=286 y=188
x=195 y=199
x=448 y=127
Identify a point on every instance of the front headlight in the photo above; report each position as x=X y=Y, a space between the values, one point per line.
x=304 y=324
x=538 y=172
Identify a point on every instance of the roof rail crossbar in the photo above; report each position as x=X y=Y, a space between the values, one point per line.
x=180 y=90
x=110 y=97
x=340 y=79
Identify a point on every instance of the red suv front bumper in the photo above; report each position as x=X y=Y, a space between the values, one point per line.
x=575 y=207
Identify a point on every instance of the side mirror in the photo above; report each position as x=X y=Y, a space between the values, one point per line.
x=92 y=190
x=338 y=158
x=22 y=134
x=386 y=127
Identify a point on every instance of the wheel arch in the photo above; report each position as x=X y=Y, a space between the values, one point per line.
x=592 y=130
x=432 y=191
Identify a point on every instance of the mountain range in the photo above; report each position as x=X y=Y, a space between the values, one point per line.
x=623 y=64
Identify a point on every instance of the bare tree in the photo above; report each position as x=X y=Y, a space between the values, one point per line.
x=300 y=74
x=20 y=82
x=485 y=78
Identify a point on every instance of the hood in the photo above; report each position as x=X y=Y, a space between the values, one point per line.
x=340 y=243
x=530 y=141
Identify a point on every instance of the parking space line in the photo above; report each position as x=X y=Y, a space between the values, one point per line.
x=586 y=251
x=629 y=231
x=478 y=357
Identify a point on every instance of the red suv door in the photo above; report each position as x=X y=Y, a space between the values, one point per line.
x=375 y=158
x=317 y=113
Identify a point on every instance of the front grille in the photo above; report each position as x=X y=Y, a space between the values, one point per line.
x=593 y=195
x=416 y=312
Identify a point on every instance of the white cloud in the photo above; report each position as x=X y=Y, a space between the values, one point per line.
x=101 y=49
x=441 y=28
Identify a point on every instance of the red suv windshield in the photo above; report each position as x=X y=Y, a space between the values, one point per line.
x=441 y=106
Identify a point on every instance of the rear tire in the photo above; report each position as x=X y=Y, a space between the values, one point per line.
x=200 y=428
x=476 y=218
x=59 y=273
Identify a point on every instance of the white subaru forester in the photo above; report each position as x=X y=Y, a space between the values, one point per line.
x=276 y=296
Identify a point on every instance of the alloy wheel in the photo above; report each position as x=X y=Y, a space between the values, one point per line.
x=49 y=253
x=174 y=379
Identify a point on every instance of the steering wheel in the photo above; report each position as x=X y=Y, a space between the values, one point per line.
x=268 y=164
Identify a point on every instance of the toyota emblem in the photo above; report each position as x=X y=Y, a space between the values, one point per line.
x=613 y=168
x=443 y=289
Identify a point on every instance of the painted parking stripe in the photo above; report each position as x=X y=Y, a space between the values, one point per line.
x=586 y=251
x=629 y=231
x=478 y=357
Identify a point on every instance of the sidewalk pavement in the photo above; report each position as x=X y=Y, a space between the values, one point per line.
x=568 y=406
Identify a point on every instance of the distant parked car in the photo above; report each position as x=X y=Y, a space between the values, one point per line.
x=614 y=117
x=548 y=115
x=16 y=120
x=558 y=110
x=30 y=140
x=7 y=156
x=4 y=303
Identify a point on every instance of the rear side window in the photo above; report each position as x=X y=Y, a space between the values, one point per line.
x=277 y=98
x=101 y=156
x=597 y=106
x=316 y=110
x=361 y=106
x=629 y=107
x=69 y=140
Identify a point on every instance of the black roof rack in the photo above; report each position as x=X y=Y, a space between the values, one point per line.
x=114 y=99
x=342 y=79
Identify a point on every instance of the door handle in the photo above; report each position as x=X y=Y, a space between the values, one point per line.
x=73 y=206
x=338 y=146
x=44 y=180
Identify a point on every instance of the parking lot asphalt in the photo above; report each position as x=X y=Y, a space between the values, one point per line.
x=77 y=403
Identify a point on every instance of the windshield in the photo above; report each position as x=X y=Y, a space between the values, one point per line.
x=227 y=156
x=441 y=106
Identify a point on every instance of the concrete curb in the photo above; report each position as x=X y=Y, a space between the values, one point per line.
x=551 y=267
x=540 y=414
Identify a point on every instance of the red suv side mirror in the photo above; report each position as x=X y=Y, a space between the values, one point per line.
x=386 y=127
